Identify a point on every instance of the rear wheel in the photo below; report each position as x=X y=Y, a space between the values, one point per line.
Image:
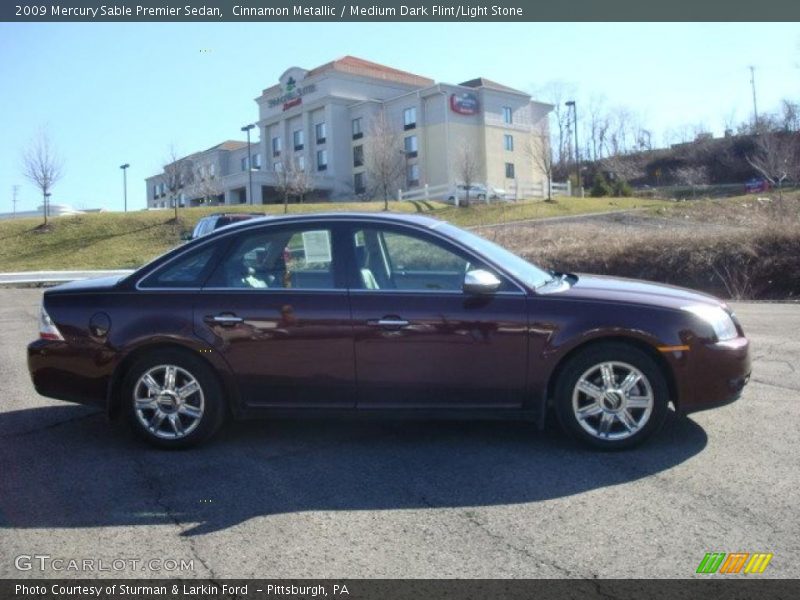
x=611 y=396
x=173 y=399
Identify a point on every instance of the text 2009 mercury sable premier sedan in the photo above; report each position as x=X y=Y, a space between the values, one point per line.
x=360 y=313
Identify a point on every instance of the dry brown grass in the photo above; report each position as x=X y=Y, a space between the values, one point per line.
x=746 y=249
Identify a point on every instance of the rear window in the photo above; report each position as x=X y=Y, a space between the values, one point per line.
x=187 y=271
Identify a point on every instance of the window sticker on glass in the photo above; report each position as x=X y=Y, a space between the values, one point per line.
x=317 y=246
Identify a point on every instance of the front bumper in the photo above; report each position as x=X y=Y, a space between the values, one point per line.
x=717 y=374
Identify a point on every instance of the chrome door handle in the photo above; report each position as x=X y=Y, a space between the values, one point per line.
x=388 y=323
x=225 y=319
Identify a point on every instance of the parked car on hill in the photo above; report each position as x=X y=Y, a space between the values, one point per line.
x=214 y=221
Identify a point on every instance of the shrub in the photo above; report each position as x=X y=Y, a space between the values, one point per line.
x=622 y=188
x=601 y=187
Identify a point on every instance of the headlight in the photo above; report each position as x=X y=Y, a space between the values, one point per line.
x=719 y=320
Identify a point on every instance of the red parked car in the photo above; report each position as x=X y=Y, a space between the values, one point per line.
x=365 y=313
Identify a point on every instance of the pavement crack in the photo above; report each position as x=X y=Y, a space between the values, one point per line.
x=154 y=486
x=472 y=518
x=775 y=385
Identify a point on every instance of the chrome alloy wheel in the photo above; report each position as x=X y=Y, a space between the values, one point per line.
x=612 y=400
x=168 y=402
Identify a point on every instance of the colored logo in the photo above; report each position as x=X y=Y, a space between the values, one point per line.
x=734 y=562
x=290 y=83
x=464 y=104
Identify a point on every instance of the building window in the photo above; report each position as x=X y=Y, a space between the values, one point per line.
x=322 y=160
x=212 y=170
x=409 y=118
x=358 y=183
x=410 y=145
x=257 y=161
x=277 y=166
x=277 y=145
x=155 y=192
x=319 y=129
x=509 y=170
x=358 y=133
x=301 y=163
x=412 y=175
x=508 y=142
x=507 y=114
x=244 y=163
x=297 y=137
x=358 y=156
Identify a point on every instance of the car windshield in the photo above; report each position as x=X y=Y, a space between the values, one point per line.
x=520 y=268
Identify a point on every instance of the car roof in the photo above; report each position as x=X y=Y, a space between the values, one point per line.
x=410 y=219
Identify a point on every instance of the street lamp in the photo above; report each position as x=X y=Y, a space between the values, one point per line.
x=572 y=104
x=247 y=129
x=125 y=185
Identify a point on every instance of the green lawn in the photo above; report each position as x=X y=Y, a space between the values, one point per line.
x=126 y=240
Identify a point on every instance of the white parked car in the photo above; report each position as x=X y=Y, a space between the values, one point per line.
x=477 y=192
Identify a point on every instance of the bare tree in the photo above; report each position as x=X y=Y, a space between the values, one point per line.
x=176 y=173
x=43 y=167
x=540 y=153
x=468 y=169
x=385 y=158
x=284 y=177
x=776 y=157
x=302 y=182
x=205 y=185
x=790 y=115
x=557 y=93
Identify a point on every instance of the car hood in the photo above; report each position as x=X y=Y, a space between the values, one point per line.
x=87 y=285
x=619 y=289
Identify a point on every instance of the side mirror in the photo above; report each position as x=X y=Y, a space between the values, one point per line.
x=186 y=236
x=479 y=281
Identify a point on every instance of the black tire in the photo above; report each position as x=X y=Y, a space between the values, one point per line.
x=612 y=406
x=210 y=399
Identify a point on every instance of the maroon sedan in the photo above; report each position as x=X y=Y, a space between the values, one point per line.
x=364 y=313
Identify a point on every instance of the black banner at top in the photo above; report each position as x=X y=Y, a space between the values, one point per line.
x=394 y=10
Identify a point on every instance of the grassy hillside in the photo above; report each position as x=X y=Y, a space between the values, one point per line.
x=127 y=240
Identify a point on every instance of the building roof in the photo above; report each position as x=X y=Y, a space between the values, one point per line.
x=228 y=145
x=479 y=82
x=358 y=66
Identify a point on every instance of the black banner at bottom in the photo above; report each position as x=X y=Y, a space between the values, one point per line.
x=400 y=589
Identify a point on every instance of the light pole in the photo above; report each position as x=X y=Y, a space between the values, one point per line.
x=125 y=185
x=571 y=103
x=247 y=129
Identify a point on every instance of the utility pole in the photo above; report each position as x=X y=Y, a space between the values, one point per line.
x=572 y=104
x=14 y=189
x=755 y=108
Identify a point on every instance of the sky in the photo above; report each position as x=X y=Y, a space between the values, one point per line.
x=109 y=93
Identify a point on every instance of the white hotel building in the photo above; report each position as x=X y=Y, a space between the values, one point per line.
x=320 y=120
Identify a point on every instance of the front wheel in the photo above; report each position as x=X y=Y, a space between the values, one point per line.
x=611 y=396
x=173 y=399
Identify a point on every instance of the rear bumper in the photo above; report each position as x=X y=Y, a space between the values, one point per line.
x=60 y=371
x=718 y=373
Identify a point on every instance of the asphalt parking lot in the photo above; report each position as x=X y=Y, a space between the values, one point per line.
x=353 y=499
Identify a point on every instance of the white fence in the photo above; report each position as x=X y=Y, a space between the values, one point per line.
x=514 y=192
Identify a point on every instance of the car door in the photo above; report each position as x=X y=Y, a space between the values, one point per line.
x=420 y=340
x=276 y=307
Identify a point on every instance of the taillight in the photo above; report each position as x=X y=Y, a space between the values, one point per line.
x=48 y=329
